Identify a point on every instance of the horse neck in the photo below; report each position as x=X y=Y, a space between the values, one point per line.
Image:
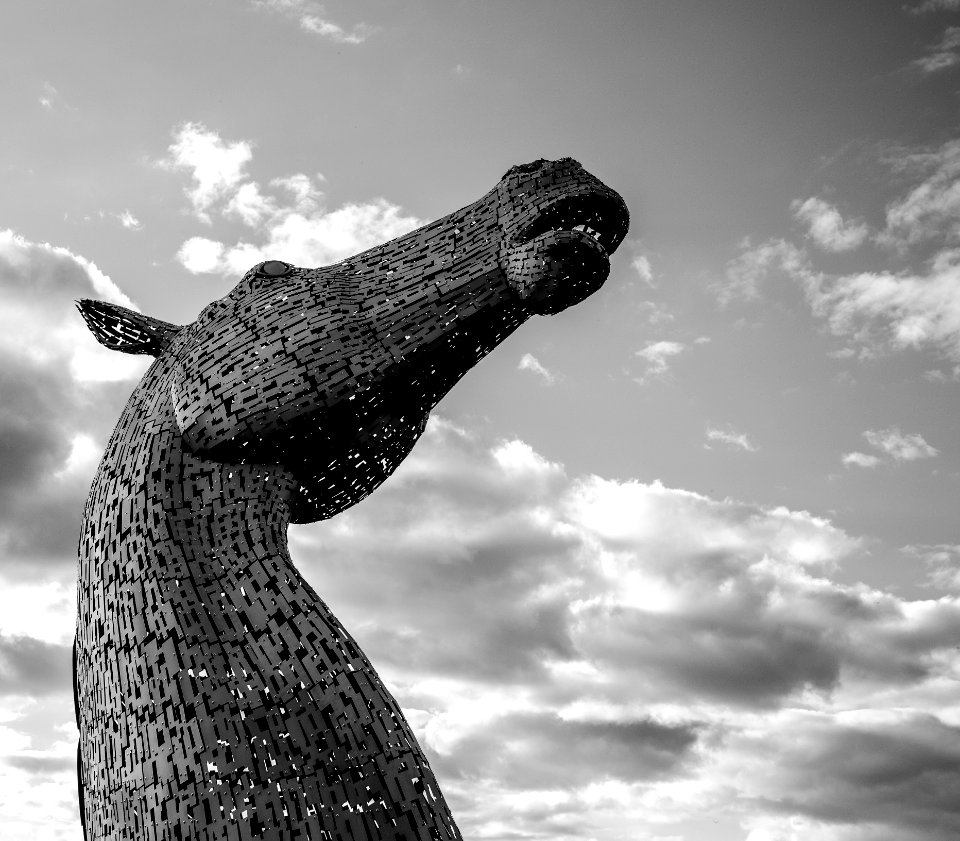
x=159 y=513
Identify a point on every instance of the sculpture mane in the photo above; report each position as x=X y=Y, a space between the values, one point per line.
x=217 y=697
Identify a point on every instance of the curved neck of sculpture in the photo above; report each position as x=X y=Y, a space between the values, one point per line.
x=199 y=642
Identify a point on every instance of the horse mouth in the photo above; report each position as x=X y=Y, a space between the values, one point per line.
x=563 y=255
x=601 y=217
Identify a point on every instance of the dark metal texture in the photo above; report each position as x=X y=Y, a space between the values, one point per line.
x=217 y=696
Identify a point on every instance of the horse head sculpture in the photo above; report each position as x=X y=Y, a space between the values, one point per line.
x=216 y=695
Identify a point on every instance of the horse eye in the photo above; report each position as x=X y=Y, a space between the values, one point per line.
x=274 y=268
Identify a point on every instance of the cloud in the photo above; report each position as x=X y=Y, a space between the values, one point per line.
x=898 y=446
x=641 y=265
x=878 y=310
x=44 y=610
x=915 y=308
x=942 y=561
x=732 y=439
x=931 y=210
x=893 y=445
x=856 y=459
x=934 y=6
x=746 y=272
x=942 y=55
x=291 y=222
x=657 y=356
x=38 y=768
x=576 y=652
x=199 y=255
x=32 y=667
x=49 y=94
x=62 y=392
x=216 y=167
x=129 y=221
x=34 y=764
x=528 y=362
x=909 y=310
x=51 y=100
x=309 y=15
x=859 y=774
x=827 y=228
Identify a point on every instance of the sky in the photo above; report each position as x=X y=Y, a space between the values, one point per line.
x=680 y=563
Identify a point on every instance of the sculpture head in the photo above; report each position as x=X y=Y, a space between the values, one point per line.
x=332 y=372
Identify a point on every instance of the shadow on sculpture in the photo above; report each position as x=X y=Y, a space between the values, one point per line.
x=216 y=695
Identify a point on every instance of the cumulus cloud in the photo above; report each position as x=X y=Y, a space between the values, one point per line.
x=827 y=228
x=942 y=55
x=657 y=356
x=310 y=16
x=61 y=394
x=893 y=446
x=575 y=652
x=289 y=220
x=528 y=362
x=216 y=167
x=909 y=310
x=737 y=440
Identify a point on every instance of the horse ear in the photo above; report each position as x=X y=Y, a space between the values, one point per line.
x=121 y=329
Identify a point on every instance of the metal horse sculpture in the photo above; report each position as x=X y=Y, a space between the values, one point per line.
x=217 y=696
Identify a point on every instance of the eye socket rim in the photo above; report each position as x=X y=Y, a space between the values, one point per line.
x=283 y=270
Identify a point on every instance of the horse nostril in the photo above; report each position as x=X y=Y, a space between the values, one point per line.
x=274 y=268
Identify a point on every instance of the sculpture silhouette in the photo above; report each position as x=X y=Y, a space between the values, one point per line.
x=216 y=695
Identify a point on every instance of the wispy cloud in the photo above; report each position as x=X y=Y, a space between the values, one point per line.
x=880 y=311
x=311 y=18
x=48 y=96
x=746 y=272
x=857 y=459
x=129 y=221
x=641 y=265
x=528 y=362
x=942 y=562
x=51 y=99
x=893 y=446
x=931 y=210
x=291 y=221
x=898 y=445
x=827 y=228
x=737 y=440
x=657 y=356
x=934 y=6
x=942 y=55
